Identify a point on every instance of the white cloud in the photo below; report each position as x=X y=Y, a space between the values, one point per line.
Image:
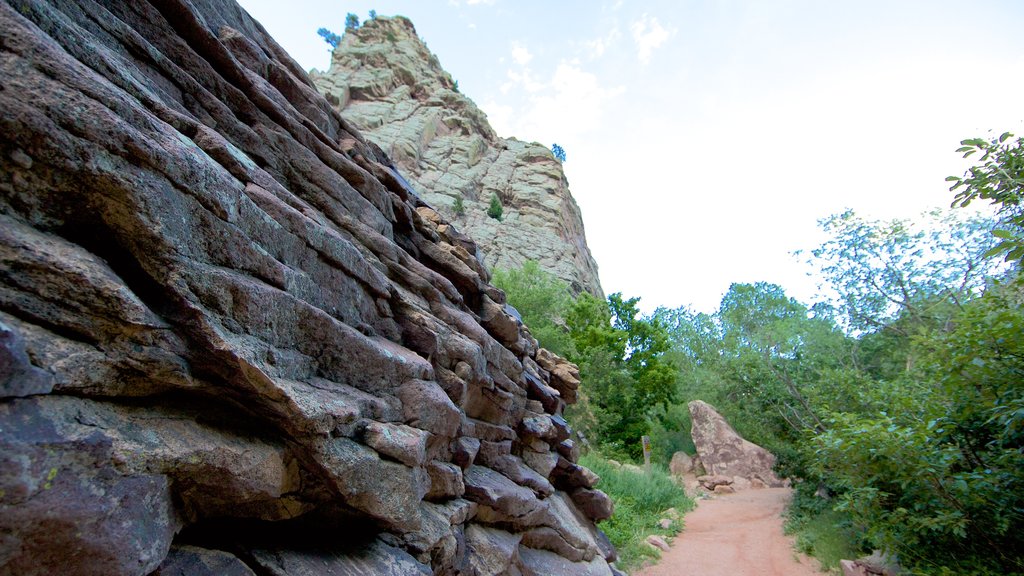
x=648 y=34
x=571 y=103
x=520 y=54
x=598 y=46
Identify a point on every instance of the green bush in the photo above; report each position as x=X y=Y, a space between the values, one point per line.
x=640 y=498
x=459 y=207
x=495 y=209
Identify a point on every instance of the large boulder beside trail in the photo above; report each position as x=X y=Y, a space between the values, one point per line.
x=723 y=452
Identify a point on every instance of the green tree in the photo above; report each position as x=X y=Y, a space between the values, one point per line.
x=543 y=301
x=351 y=22
x=459 y=207
x=331 y=38
x=495 y=209
x=627 y=375
x=999 y=178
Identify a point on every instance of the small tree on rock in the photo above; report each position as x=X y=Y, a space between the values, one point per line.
x=351 y=21
x=495 y=209
x=559 y=152
x=330 y=37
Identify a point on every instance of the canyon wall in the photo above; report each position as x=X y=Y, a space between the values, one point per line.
x=386 y=82
x=234 y=341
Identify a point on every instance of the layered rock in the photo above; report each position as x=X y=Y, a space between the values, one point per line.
x=385 y=81
x=729 y=459
x=234 y=341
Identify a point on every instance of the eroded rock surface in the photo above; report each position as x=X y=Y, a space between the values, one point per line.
x=234 y=341
x=385 y=81
x=725 y=454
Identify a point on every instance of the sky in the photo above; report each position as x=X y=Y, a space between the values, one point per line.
x=706 y=138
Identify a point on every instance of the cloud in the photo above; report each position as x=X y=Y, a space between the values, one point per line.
x=597 y=47
x=520 y=54
x=572 y=102
x=648 y=34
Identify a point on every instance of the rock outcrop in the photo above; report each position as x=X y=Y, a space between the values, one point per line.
x=725 y=455
x=385 y=81
x=234 y=341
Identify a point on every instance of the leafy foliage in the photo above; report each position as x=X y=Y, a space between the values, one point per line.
x=373 y=14
x=543 y=301
x=999 y=177
x=495 y=209
x=331 y=38
x=558 y=152
x=459 y=206
x=351 y=21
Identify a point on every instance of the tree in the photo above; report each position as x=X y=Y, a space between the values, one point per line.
x=351 y=22
x=885 y=271
x=558 y=152
x=331 y=38
x=543 y=301
x=999 y=177
x=373 y=14
x=495 y=209
x=459 y=206
x=626 y=375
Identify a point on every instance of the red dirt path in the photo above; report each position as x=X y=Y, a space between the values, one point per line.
x=735 y=535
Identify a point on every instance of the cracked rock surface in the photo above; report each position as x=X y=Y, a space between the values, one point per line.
x=385 y=81
x=233 y=340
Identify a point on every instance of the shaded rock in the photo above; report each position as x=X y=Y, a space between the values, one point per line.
x=18 y=377
x=63 y=496
x=713 y=481
x=594 y=504
x=445 y=481
x=375 y=558
x=534 y=562
x=491 y=551
x=194 y=561
x=723 y=452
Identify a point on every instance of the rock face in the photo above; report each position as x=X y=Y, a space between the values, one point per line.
x=724 y=453
x=385 y=81
x=234 y=341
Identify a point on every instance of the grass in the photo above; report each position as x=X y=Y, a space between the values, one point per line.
x=821 y=532
x=640 y=502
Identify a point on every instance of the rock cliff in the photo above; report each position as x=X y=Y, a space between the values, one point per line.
x=386 y=82
x=233 y=341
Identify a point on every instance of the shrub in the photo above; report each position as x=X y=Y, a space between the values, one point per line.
x=458 y=206
x=641 y=499
x=495 y=209
x=351 y=21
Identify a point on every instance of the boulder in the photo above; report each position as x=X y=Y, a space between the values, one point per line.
x=723 y=452
x=681 y=464
x=657 y=542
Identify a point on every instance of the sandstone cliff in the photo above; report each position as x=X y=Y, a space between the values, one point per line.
x=387 y=83
x=233 y=341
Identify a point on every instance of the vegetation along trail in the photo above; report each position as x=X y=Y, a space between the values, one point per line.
x=735 y=535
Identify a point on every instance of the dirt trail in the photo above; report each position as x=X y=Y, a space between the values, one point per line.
x=735 y=535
